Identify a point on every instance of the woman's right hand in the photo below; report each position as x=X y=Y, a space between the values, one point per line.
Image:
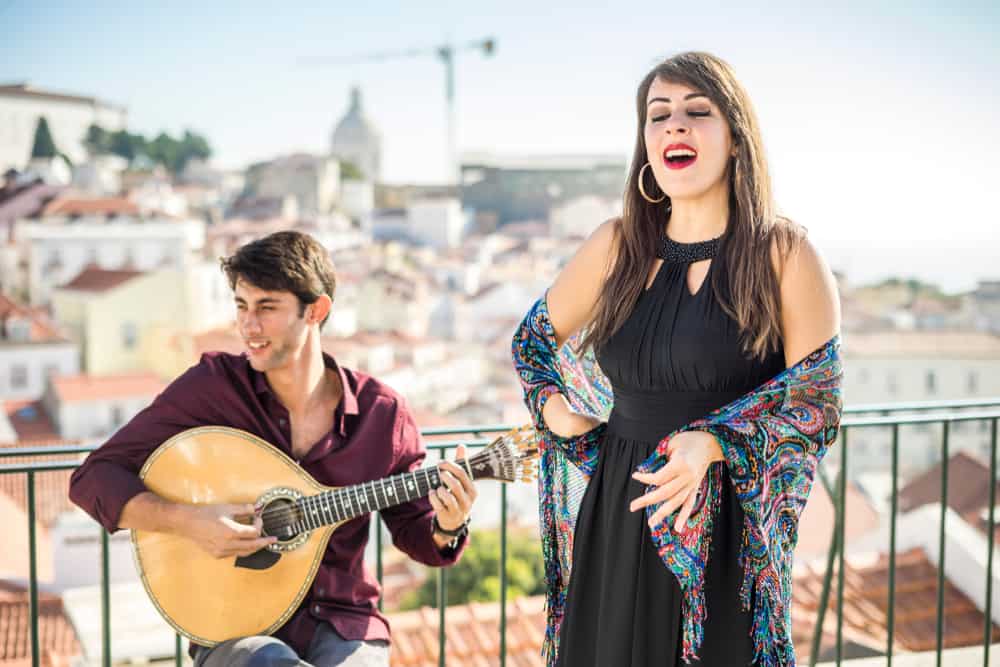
x=565 y=422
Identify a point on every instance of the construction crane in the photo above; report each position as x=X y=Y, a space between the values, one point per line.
x=446 y=53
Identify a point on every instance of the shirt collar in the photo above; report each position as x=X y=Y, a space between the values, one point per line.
x=348 y=405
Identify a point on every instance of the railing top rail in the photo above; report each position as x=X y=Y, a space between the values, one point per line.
x=920 y=406
x=852 y=418
x=922 y=419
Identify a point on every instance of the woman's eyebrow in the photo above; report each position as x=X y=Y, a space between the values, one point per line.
x=667 y=99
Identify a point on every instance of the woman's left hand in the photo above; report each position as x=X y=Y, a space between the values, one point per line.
x=690 y=453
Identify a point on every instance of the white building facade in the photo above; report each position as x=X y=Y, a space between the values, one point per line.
x=58 y=248
x=68 y=118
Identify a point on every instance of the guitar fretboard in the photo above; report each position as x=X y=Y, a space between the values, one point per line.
x=353 y=501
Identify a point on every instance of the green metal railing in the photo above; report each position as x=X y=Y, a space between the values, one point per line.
x=891 y=415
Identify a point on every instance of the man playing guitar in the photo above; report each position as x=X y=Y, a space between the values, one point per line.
x=341 y=426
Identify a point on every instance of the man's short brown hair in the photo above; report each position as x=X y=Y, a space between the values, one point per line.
x=284 y=261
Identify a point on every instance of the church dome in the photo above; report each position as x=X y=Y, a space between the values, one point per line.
x=357 y=140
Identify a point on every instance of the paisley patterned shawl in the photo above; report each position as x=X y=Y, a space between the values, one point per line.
x=773 y=438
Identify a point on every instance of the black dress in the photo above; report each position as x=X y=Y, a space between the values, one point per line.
x=676 y=358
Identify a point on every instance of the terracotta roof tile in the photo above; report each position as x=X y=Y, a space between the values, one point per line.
x=81 y=388
x=95 y=206
x=96 y=279
x=968 y=486
x=57 y=638
x=42 y=329
x=51 y=486
x=473 y=635
x=866 y=604
x=31 y=422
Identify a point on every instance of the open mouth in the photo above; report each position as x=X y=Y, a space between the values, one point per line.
x=679 y=156
x=256 y=347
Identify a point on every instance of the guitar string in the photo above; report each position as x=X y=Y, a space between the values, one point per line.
x=313 y=502
x=319 y=503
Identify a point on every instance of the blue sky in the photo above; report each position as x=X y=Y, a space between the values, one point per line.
x=879 y=120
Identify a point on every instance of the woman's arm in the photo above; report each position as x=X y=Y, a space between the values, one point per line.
x=571 y=302
x=810 y=307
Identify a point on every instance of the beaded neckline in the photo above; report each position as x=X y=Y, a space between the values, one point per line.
x=686 y=253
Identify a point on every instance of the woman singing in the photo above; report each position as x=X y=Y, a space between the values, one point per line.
x=716 y=323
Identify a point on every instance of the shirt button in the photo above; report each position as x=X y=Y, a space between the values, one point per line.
x=317 y=609
x=283 y=421
x=320 y=592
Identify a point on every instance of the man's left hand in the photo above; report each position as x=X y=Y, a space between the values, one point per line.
x=453 y=500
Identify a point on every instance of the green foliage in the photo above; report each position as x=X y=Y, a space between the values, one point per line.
x=97 y=141
x=43 y=146
x=476 y=576
x=172 y=153
x=349 y=171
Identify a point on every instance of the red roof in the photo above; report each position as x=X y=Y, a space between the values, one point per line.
x=96 y=206
x=96 y=279
x=968 y=486
x=866 y=605
x=30 y=421
x=473 y=632
x=82 y=388
x=41 y=331
x=57 y=638
x=51 y=486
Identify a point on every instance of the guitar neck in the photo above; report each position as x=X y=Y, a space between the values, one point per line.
x=349 y=502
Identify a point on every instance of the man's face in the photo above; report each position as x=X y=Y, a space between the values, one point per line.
x=270 y=324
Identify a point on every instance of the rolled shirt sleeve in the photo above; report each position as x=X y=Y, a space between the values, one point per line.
x=411 y=523
x=109 y=477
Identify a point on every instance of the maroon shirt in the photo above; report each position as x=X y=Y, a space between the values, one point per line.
x=373 y=436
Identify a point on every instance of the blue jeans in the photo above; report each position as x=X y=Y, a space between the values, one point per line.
x=328 y=649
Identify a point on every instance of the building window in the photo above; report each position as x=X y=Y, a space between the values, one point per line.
x=129 y=335
x=864 y=376
x=18 y=376
x=117 y=416
x=931 y=383
x=972 y=383
x=892 y=385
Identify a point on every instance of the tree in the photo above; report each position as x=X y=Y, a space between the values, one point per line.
x=193 y=146
x=476 y=577
x=97 y=141
x=44 y=146
x=127 y=145
x=349 y=171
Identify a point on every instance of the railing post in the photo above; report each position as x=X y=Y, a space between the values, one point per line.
x=892 y=544
x=503 y=575
x=105 y=602
x=378 y=559
x=178 y=652
x=33 y=572
x=988 y=631
x=842 y=501
x=824 y=596
x=941 y=540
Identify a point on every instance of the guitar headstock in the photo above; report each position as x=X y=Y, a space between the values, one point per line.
x=512 y=457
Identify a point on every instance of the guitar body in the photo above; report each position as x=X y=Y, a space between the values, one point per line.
x=209 y=599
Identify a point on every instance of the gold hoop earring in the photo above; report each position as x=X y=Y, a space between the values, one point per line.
x=642 y=190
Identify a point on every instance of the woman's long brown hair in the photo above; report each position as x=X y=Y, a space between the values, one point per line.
x=751 y=295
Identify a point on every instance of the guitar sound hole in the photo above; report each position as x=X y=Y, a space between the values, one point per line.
x=279 y=517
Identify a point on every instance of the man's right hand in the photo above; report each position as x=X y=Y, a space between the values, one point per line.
x=565 y=422
x=214 y=528
x=217 y=529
